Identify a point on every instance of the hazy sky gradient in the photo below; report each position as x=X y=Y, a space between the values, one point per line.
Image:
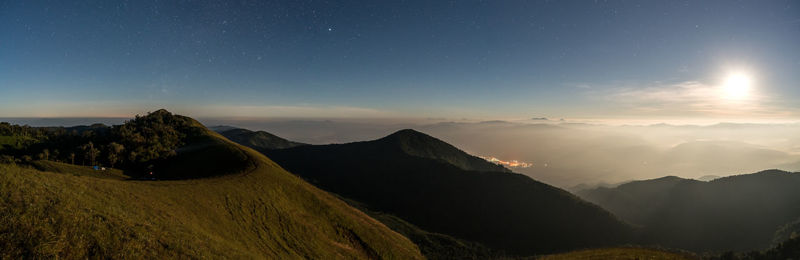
x=477 y=59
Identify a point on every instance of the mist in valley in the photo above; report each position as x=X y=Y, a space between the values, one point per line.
x=575 y=155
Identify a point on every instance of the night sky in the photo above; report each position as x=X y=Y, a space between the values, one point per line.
x=453 y=59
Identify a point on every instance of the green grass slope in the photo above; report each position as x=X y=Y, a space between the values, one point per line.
x=248 y=208
x=78 y=170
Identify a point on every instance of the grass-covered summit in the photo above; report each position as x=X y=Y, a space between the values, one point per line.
x=248 y=208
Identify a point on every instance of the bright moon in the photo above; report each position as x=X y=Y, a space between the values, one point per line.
x=737 y=86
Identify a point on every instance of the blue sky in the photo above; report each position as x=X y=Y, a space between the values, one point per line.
x=455 y=59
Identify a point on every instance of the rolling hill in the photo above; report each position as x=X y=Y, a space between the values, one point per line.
x=738 y=213
x=228 y=201
x=635 y=201
x=257 y=139
x=440 y=189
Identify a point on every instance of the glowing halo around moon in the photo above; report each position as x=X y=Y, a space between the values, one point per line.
x=737 y=86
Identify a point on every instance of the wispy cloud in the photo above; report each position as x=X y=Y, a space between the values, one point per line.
x=691 y=98
x=288 y=111
x=111 y=108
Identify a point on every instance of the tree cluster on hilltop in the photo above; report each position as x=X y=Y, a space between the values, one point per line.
x=134 y=144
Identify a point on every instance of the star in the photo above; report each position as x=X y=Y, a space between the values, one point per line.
x=330 y=29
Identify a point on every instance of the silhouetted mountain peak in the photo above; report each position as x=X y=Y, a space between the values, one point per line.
x=238 y=131
x=221 y=128
x=442 y=189
x=258 y=140
x=665 y=179
x=412 y=139
x=668 y=178
x=408 y=133
x=653 y=186
x=419 y=144
x=765 y=175
x=773 y=171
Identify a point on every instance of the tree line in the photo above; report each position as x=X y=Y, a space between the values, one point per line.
x=134 y=144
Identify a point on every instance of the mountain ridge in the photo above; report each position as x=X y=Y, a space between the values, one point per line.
x=739 y=212
x=258 y=139
x=500 y=209
x=419 y=144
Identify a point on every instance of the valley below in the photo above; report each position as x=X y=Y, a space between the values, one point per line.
x=251 y=194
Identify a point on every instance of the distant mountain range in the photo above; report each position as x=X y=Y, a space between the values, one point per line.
x=441 y=189
x=742 y=212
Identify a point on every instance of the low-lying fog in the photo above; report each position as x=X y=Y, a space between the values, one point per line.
x=563 y=154
x=568 y=154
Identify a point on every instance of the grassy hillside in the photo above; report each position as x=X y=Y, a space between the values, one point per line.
x=78 y=170
x=732 y=213
x=502 y=210
x=249 y=208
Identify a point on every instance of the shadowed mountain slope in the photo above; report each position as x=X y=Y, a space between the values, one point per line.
x=636 y=201
x=739 y=213
x=422 y=145
x=249 y=208
x=413 y=176
x=258 y=139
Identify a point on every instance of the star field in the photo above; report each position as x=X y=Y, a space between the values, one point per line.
x=437 y=58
